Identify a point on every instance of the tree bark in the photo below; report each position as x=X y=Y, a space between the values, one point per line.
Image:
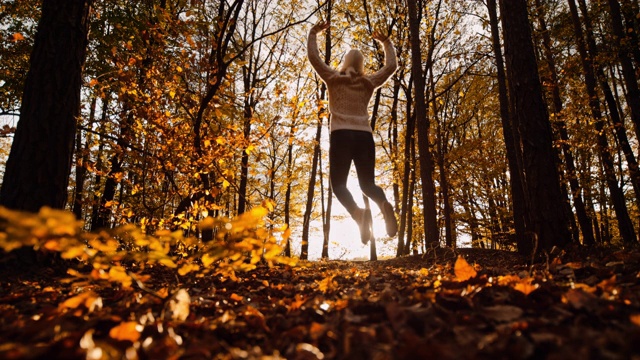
x=621 y=43
x=548 y=221
x=617 y=196
x=39 y=164
x=584 y=220
x=510 y=135
x=426 y=160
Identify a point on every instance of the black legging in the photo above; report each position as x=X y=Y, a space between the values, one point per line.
x=357 y=146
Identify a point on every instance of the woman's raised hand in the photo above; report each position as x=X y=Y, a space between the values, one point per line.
x=321 y=26
x=380 y=36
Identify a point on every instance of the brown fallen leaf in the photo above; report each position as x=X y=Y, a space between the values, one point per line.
x=502 y=313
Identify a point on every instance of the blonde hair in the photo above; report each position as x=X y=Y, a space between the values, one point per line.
x=353 y=63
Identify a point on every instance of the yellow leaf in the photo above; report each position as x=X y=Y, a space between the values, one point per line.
x=249 y=149
x=89 y=299
x=119 y=274
x=187 y=268
x=73 y=252
x=326 y=284
x=207 y=260
x=168 y=263
x=463 y=270
x=128 y=330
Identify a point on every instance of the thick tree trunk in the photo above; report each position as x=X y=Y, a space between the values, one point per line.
x=545 y=205
x=571 y=173
x=510 y=134
x=39 y=164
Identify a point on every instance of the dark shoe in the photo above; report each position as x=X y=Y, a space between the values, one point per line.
x=390 y=219
x=363 y=218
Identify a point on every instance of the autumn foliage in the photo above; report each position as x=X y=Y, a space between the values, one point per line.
x=179 y=298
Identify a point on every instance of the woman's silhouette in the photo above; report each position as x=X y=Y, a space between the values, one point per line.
x=351 y=139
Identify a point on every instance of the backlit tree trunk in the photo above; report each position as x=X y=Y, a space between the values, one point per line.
x=549 y=225
x=426 y=160
x=39 y=164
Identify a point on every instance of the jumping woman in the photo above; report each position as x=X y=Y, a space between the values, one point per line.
x=351 y=139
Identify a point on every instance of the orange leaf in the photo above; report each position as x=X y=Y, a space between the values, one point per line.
x=463 y=270
x=236 y=297
x=525 y=286
x=635 y=318
x=17 y=37
x=128 y=330
x=89 y=299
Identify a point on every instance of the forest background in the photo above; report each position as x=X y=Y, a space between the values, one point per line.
x=166 y=160
x=195 y=109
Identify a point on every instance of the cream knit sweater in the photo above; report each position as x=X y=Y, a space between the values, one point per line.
x=349 y=95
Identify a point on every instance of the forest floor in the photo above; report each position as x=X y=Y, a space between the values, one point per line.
x=495 y=305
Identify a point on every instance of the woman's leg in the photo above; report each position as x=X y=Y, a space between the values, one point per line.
x=340 y=157
x=365 y=160
x=341 y=150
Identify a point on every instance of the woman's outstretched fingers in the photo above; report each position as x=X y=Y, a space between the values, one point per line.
x=322 y=25
x=378 y=35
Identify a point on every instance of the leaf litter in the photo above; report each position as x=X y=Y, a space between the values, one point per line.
x=462 y=304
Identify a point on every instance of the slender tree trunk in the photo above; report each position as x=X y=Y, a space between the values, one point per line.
x=617 y=196
x=244 y=160
x=287 y=195
x=630 y=11
x=81 y=166
x=549 y=223
x=619 y=127
x=412 y=187
x=409 y=134
x=621 y=42
x=426 y=160
x=39 y=164
x=306 y=222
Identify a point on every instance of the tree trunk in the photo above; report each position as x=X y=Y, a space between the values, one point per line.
x=409 y=144
x=617 y=196
x=576 y=190
x=426 y=160
x=39 y=164
x=306 y=221
x=545 y=205
x=409 y=215
x=81 y=167
x=511 y=137
x=619 y=127
x=621 y=43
